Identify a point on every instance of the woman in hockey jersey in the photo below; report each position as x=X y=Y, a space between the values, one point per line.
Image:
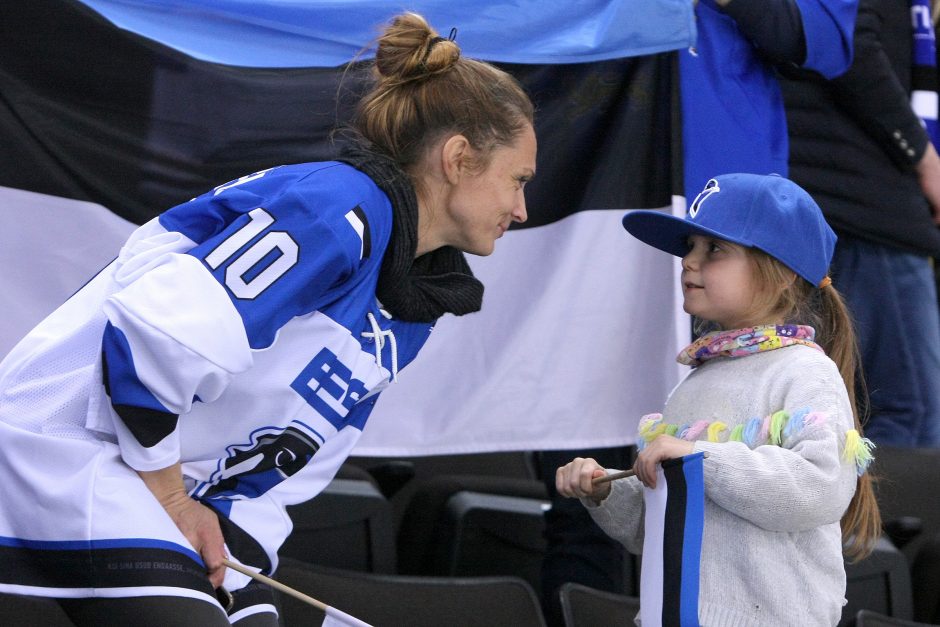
x=224 y=365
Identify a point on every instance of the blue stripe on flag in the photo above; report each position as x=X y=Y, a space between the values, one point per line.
x=692 y=542
x=326 y=33
x=673 y=546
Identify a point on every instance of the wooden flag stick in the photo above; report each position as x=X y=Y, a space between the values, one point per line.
x=623 y=474
x=277 y=585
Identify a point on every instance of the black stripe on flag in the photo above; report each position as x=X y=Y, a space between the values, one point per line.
x=673 y=541
x=150 y=127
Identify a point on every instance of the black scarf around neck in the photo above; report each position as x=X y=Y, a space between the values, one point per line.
x=422 y=289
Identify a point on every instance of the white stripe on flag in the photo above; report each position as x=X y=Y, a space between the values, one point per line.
x=547 y=350
x=544 y=364
x=337 y=618
x=651 y=580
x=49 y=248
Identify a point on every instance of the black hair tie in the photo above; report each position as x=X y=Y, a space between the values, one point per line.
x=433 y=42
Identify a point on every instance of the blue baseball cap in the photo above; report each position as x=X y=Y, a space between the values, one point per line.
x=767 y=212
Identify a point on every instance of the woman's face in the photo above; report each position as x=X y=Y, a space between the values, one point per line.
x=482 y=204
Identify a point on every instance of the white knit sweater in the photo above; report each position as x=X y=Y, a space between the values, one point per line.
x=771 y=545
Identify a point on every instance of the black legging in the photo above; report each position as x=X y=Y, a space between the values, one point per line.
x=169 y=611
x=143 y=611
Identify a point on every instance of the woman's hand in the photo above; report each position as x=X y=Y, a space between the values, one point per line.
x=201 y=527
x=662 y=448
x=197 y=522
x=575 y=479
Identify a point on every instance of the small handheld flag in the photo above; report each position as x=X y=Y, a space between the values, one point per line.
x=334 y=617
x=672 y=546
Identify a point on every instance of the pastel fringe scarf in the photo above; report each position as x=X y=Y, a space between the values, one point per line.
x=746 y=341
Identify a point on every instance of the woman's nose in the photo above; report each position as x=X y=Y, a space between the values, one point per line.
x=519 y=214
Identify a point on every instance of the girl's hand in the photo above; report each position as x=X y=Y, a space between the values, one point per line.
x=197 y=522
x=662 y=448
x=574 y=479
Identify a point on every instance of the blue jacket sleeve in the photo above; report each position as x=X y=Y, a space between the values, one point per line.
x=828 y=26
x=814 y=34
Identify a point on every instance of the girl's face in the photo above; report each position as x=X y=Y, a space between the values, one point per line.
x=483 y=204
x=718 y=284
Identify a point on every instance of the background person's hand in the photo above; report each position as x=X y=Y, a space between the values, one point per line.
x=575 y=479
x=928 y=174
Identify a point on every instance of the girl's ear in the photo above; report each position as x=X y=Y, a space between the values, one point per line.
x=454 y=154
x=789 y=279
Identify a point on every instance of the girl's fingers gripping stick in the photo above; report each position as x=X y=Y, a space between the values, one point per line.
x=623 y=474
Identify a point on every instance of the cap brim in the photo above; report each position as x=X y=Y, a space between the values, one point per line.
x=667 y=232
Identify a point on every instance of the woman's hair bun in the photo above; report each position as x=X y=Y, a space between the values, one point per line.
x=410 y=49
x=422 y=88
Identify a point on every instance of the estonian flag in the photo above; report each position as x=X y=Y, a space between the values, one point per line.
x=112 y=112
x=672 y=545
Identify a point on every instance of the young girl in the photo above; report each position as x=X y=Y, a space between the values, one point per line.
x=770 y=399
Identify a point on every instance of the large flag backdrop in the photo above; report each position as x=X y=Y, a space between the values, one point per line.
x=112 y=111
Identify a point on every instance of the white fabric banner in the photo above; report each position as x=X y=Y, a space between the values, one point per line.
x=49 y=248
x=576 y=340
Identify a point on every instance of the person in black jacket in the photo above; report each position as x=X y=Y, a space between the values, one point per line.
x=857 y=146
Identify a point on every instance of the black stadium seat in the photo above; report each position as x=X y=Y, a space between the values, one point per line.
x=468 y=525
x=925 y=581
x=348 y=525
x=907 y=482
x=879 y=583
x=392 y=600
x=868 y=618
x=583 y=606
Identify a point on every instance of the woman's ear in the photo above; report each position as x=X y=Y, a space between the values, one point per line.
x=454 y=154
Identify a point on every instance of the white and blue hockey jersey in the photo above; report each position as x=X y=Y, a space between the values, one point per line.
x=239 y=334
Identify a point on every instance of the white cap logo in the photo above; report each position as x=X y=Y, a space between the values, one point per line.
x=711 y=187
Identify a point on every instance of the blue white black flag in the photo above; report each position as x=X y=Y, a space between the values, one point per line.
x=672 y=546
x=112 y=112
